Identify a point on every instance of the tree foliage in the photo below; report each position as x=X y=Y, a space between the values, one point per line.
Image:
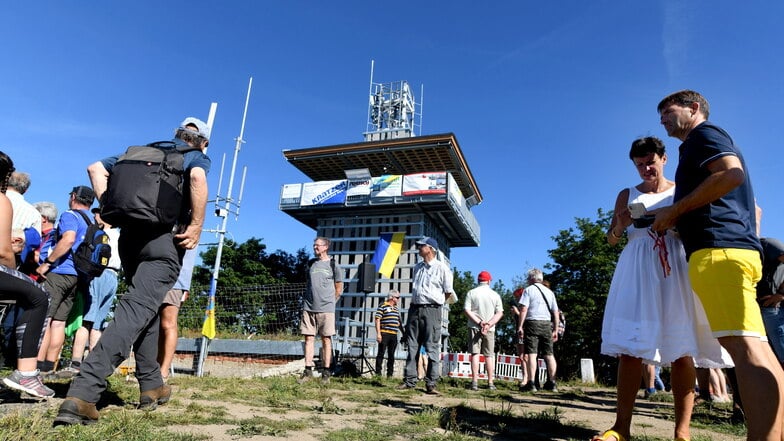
x=247 y=301
x=581 y=272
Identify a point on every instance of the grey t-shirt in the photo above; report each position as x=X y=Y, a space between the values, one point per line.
x=320 y=292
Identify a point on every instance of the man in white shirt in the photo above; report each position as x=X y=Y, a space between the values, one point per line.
x=484 y=309
x=25 y=215
x=538 y=306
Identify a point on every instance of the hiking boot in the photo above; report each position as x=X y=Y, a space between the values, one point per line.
x=64 y=374
x=306 y=376
x=431 y=390
x=150 y=399
x=75 y=411
x=30 y=385
x=325 y=376
x=551 y=386
x=403 y=386
x=528 y=387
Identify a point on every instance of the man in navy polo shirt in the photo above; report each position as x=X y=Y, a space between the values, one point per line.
x=714 y=211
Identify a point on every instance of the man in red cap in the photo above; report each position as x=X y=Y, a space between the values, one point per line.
x=484 y=309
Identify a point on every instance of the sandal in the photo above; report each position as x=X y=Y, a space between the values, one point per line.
x=607 y=434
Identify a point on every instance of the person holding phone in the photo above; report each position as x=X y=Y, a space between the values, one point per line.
x=651 y=308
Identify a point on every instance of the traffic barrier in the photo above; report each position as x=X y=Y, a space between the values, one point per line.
x=507 y=367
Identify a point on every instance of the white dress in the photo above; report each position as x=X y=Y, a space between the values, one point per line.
x=650 y=316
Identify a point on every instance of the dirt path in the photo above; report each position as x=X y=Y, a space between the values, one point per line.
x=501 y=415
x=584 y=412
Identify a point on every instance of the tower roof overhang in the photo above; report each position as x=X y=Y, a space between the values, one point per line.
x=398 y=156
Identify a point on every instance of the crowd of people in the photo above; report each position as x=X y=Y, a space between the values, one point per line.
x=695 y=288
x=52 y=294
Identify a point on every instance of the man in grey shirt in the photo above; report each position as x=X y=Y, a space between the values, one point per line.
x=325 y=284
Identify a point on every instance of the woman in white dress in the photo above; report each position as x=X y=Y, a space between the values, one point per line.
x=652 y=314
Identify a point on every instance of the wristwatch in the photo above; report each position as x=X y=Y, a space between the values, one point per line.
x=48 y=262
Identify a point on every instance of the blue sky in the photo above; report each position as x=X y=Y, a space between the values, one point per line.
x=545 y=98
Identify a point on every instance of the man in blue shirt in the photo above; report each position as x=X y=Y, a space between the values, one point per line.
x=714 y=211
x=151 y=257
x=61 y=278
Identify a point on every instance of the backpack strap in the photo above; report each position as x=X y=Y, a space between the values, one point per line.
x=312 y=261
x=544 y=297
x=84 y=216
x=172 y=145
x=162 y=145
x=86 y=221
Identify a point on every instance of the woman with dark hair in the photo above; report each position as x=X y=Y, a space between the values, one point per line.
x=28 y=295
x=650 y=310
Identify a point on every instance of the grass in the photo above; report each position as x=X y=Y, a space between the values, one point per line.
x=367 y=409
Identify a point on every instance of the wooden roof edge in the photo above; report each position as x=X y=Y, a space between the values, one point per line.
x=292 y=155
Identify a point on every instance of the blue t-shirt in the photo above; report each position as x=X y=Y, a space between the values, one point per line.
x=70 y=221
x=728 y=222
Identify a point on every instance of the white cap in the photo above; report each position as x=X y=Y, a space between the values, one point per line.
x=203 y=129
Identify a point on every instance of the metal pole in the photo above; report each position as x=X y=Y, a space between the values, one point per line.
x=224 y=214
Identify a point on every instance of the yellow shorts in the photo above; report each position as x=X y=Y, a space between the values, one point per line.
x=725 y=280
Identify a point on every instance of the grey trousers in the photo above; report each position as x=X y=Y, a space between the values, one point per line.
x=423 y=328
x=151 y=262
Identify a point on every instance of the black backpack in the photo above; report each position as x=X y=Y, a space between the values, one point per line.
x=146 y=186
x=92 y=255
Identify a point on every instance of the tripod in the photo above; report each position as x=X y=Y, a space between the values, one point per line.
x=365 y=365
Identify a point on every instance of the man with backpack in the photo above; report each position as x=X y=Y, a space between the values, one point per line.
x=61 y=277
x=97 y=303
x=325 y=284
x=163 y=178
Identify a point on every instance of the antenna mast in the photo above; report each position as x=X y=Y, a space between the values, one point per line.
x=223 y=207
x=392 y=110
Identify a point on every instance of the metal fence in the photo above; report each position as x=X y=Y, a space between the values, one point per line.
x=246 y=312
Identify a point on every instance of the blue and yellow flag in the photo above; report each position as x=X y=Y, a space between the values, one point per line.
x=208 y=328
x=387 y=252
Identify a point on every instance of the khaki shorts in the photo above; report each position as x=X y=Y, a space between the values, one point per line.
x=725 y=280
x=482 y=343
x=538 y=336
x=175 y=297
x=317 y=323
x=62 y=289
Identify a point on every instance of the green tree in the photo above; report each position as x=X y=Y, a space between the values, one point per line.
x=581 y=272
x=458 y=330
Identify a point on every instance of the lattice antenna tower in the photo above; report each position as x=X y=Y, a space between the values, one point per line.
x=393 y=111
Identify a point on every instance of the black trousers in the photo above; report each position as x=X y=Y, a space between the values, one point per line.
x=388 y=345
x=151 y=262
